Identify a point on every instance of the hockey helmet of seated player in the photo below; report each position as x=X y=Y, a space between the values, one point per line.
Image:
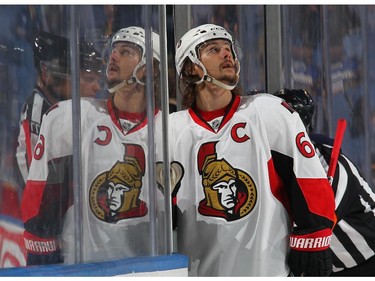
x=301 y=101
x=188 y=48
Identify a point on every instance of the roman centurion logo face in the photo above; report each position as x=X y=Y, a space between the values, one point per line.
x=229 y=193
x=115 y=194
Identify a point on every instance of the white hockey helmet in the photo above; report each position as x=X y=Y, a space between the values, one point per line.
x=188 y=45
x=136 y=35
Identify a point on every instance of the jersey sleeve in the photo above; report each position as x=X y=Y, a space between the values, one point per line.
x=309 y=196
x=48 y=189
x=27 y=138
x=23 y=150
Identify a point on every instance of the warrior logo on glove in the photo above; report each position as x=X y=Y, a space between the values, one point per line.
x=114 y=194
x=229 y=193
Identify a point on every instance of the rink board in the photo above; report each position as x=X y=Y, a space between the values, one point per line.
x=168 y=265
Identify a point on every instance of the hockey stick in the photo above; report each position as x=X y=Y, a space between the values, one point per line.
x=340 y=130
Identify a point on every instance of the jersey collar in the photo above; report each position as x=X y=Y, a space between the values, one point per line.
x=200 y=117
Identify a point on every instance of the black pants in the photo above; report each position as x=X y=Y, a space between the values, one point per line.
x=366 y=268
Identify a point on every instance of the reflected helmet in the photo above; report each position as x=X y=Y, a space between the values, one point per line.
x=136 y=35
x=301 y=101
x=52 y=50
x=91 y=60
x=187 y=47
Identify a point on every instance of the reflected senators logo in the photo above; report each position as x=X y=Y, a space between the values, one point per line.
x=229 y=193
x=114 y=194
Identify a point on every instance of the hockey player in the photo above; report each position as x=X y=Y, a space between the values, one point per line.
x=52 y=85
x=353 y=240
x=254 y=193
x=115 y=192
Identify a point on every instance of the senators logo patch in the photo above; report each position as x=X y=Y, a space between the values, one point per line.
x=229 y=193
x=115 y=194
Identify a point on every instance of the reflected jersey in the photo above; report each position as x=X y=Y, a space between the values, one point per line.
x=31 y=118
x=115 y=190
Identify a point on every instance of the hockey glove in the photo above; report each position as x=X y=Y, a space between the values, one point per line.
x=310 y=254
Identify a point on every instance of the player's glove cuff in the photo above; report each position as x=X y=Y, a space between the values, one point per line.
x=310 y=254
x=311 y=242
x=41 y=250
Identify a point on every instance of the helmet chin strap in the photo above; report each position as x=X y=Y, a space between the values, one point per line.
x=122 y=84
x=220 y=84
x=212 y=80
x=131 y=80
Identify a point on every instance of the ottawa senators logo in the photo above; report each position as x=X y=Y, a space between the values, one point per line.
x=114 y=194
x=229 y=193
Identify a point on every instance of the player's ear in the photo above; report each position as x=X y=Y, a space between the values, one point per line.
x=141 y=73
x=197 y=70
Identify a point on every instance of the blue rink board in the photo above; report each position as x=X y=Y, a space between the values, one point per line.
x=106 y=268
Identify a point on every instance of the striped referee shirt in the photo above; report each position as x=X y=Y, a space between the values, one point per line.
x=353 y=240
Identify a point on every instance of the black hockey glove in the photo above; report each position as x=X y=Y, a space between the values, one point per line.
x=310 y=254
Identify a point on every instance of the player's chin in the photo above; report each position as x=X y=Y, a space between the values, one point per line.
x=111 y=75
x=228 y=72
x=111 y=82
x=229 y=79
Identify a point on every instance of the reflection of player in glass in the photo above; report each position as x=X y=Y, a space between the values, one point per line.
x=114 y=134
x=91 y=73
x=53 y=84
x=123 y=186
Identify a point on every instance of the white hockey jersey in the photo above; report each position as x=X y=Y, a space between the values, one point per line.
x=115 y=189
x=248 y=176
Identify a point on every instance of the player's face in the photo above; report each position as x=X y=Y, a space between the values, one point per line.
x=122 y=61
x=227 y=193
x=217 y=57
x=89 y=84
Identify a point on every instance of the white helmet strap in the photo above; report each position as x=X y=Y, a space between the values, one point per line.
x=218 y=83
x=131 y=80
x=212 y=80
x=122 y=84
